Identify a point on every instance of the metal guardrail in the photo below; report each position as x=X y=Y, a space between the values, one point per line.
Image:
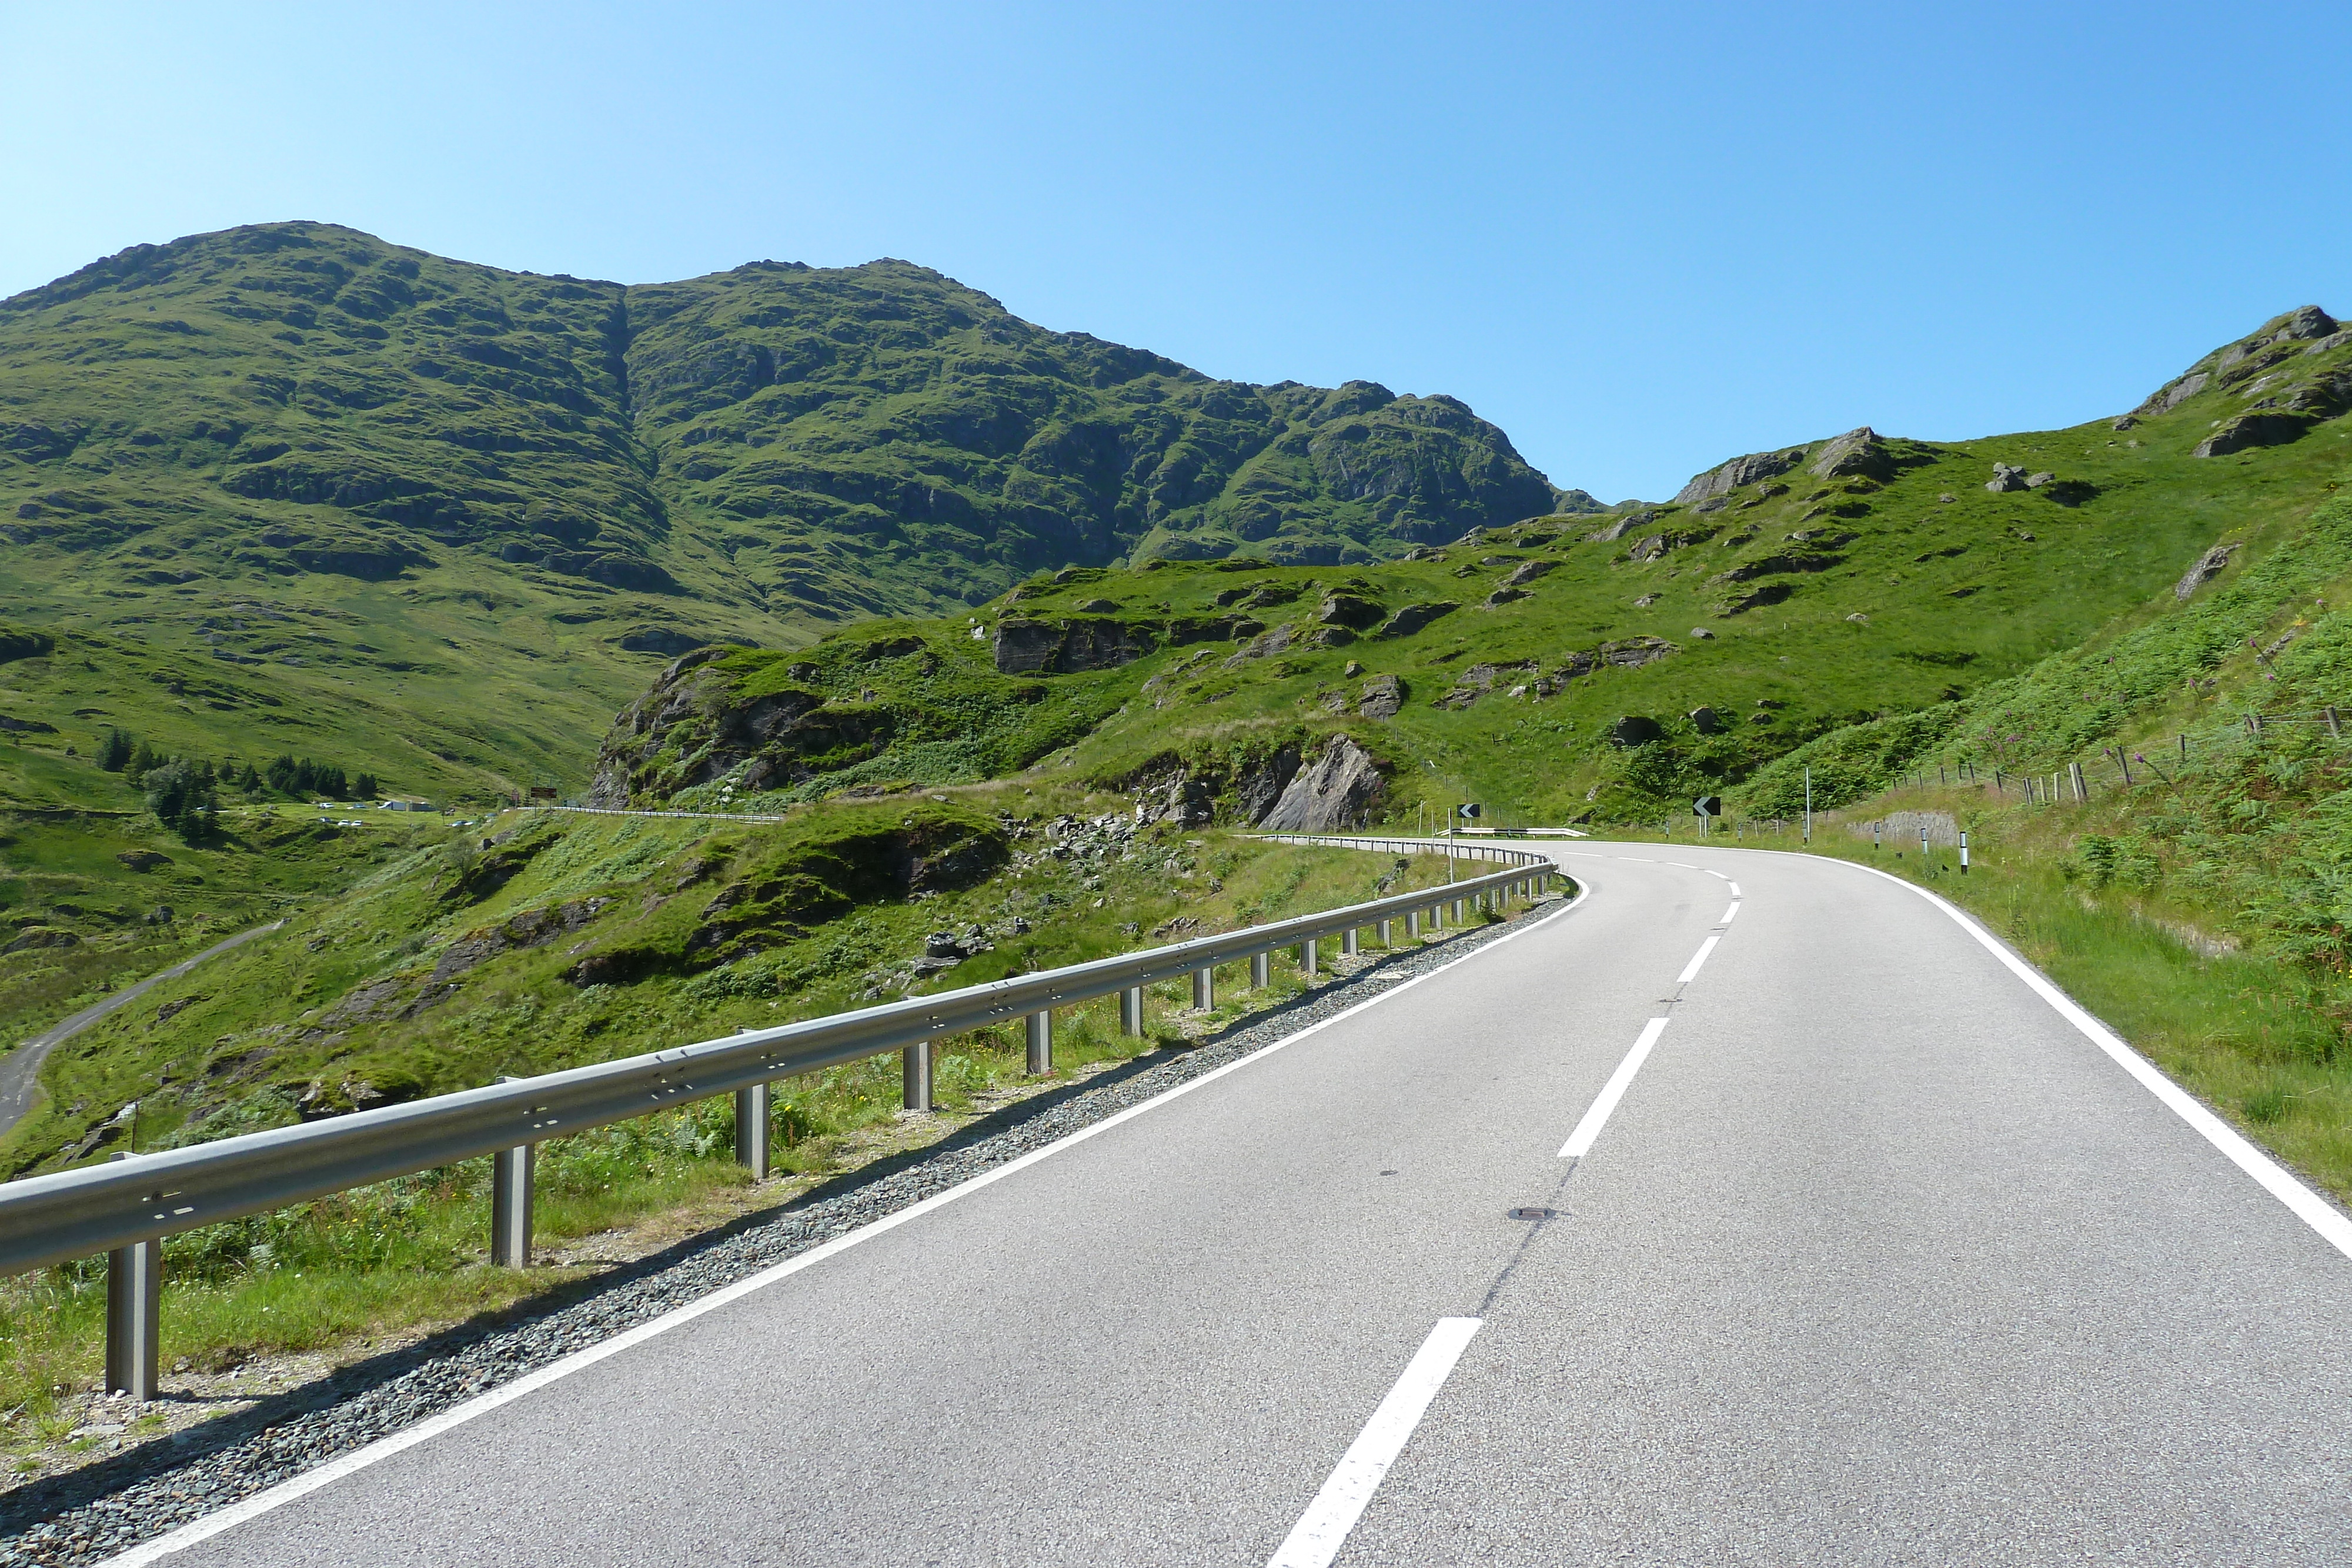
x=121 y=1207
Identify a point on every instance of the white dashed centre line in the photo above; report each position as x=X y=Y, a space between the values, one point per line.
x=1735 y=890
x=1729 y=913
x=1319 y=1533
x=1690 y=971
x=1579 y=1142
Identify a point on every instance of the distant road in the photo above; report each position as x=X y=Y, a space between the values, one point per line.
x=1754 y=1211
x=20 y=1069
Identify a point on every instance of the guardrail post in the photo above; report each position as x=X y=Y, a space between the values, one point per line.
x=1457 y=911
x=915 y=1076
x=1412 y=923
x=1261 y=970
x=751 y=1130
x=1204 y=989
x=1040 y=1042
x=1351 y=941
x=511 y=1203
x=1385 y=927
x=1309 y=952
x=135 y=1317
x=1131 y=1010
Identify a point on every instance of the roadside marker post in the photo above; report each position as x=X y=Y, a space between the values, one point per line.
x=915 y=1069
x=1964 y=852
x=751 y=1130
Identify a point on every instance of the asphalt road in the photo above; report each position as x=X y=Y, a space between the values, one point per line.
x=1876 y=1259
x=20 y=1069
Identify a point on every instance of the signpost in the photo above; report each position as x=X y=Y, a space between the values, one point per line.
x=1702 y=808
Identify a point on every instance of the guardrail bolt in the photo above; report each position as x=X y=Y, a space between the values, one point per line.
x=1040 y=1042
x=915 y=1076
x=1261 y=970
x=1204 y=989
x=751 y=1130
x=134 y=1319
x=512 y=1171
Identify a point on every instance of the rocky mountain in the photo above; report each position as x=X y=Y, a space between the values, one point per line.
x=1613 y=663
x=457 y=516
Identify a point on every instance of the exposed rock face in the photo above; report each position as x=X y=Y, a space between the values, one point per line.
x=1858 y=451
x=1067 y=647
x=1778 y=565
x=1502 y=596
x=1756 y=599
x=2172 y=395
x=2267 y=429
x=662 y=640
x=532 y=928
x=1649 y=549
x=1413 y=617
x=1334 y=791
x=1352 y=611
x=1706 y=721
x=2005 y=478
x=1624 y=654
x=33 y=936
x=1478 y=679
x=1265 y=645
x=1527 y=571
x=1260 y=785
x=2206 y=568
x=1635 y=729
x=1739 y=471
x=1382 y=696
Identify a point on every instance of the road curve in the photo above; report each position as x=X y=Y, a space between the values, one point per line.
x=1866 y=1254
x=20 y=1069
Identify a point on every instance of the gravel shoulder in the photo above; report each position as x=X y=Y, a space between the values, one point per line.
x=267 y=1423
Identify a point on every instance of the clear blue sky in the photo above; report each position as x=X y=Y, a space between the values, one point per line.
x=1641 y=238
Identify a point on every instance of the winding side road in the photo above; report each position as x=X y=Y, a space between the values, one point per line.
x=20 y=1069
x=1755 y=1211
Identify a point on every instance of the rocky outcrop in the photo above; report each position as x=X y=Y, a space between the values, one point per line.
x=1479 y=679
x=1706 y=721
x=1624 y=654
x=1729 y=476
x=1635 y=729
x=2206 y=568
x=1413 y=618
x=2005 y=479
x=1353 y=610
x=2270 y=428
x=1335 y=790
x=1527 y=571
x=1026 y=647
x=1381 y=697
x=1857 y=451
x=1778 y=564
x=1260 y=783
x=1756 y=598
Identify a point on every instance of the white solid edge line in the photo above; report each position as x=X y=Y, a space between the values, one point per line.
x=1690 y=972
x=309 y=1481
x=2273 y=1177
x=1587 y=1131
x=1729 y=913
x=1323 y=1528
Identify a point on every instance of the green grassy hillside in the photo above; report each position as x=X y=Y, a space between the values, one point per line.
x=1559 y=668
x=346 y=487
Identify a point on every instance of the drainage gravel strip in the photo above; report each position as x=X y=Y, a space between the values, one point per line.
x=57 y=1523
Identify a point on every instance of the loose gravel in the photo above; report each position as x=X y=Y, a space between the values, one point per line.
x=93 y=1514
